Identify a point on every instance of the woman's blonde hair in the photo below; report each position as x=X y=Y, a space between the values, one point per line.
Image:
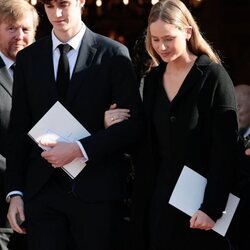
x=176 y=13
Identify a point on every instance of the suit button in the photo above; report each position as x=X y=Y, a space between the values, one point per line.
x=172 y=119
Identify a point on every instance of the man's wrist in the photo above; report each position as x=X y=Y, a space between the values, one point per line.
x=84 y=154
x=13 y=194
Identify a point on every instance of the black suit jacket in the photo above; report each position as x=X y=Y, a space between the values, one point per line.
x=103 y=75
x=6 y=83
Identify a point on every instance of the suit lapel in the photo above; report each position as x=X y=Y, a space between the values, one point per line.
x=84 y=59
x=47 y=84
x=5 y=78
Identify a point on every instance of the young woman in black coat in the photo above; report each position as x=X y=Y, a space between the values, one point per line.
x=190 y=111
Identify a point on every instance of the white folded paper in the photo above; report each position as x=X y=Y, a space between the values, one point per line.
x=188 y=195
x=58 y=124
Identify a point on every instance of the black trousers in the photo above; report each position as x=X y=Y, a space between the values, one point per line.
x=57 y=219
x=17 y=242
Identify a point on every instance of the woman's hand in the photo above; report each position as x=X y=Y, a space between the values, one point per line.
x=115 y=115
x=200 y=220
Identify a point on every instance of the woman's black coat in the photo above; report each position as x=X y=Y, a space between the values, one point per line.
x=201 y=134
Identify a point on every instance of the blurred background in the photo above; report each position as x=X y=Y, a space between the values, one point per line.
x=224 y=23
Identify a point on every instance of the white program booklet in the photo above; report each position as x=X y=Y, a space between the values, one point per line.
x=188 y=194
x=58 y=124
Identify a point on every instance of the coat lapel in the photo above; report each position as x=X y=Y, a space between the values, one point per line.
x=46 y=83
x=85 y=57
x=5 y=78
x=193 y=78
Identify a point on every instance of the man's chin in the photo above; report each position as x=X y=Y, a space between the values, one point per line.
x=14 y=53
x=17 y=48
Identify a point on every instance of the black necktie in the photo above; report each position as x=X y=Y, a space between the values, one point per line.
x=63 y=73
x=13 y=67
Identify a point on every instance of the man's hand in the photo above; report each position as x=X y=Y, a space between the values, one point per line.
x=16 y=214
x=61 y=153
x=200 y=220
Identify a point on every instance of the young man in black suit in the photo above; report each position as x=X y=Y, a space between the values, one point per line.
x=86 y=212
x=18 y=23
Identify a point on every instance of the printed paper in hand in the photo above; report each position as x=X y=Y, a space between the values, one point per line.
x=58 y=124
x=188 y=195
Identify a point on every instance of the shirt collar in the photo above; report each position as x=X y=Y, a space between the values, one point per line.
x=247 y=132
x=74 y=42
x=7 y=61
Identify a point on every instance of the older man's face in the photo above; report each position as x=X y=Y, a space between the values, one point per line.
x=14 y=36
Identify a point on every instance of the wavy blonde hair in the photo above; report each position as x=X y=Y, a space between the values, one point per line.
x=176 y=13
